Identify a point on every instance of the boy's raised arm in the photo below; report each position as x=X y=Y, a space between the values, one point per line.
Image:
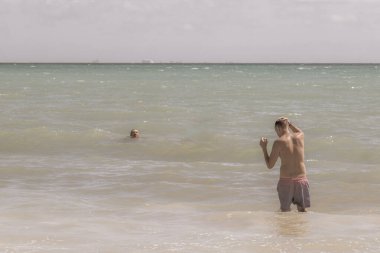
x=294 y=128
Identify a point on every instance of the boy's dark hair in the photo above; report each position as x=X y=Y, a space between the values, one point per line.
x=280 y=123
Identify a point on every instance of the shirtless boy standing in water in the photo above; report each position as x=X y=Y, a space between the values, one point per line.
x=293 y=186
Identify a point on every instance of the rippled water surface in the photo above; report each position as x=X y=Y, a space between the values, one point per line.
x=71 y=180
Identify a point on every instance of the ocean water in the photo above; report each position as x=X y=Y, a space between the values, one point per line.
x=72 y=181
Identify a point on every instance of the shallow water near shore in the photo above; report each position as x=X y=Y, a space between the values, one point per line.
x=195 y=181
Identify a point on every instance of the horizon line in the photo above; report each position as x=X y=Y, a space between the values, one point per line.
x=199 y=63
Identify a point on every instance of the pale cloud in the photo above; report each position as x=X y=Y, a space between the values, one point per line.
x=344 y=18
x=186 y=30
x=188 y=27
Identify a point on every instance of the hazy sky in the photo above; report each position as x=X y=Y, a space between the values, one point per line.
x=190 y=30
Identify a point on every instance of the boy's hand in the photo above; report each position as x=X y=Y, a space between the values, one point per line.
x=284 y=119
x=263 y=142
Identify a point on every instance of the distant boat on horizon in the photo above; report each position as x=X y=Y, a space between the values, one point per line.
x=147 y=61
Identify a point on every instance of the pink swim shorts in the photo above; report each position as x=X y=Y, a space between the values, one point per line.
x=293 y=190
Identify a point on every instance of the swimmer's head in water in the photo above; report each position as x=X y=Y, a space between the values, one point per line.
x=134 y=133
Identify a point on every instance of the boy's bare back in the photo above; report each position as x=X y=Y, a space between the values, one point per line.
x=289 y=147
x=291 y=153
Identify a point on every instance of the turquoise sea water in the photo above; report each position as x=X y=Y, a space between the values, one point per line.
x=195 y=181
